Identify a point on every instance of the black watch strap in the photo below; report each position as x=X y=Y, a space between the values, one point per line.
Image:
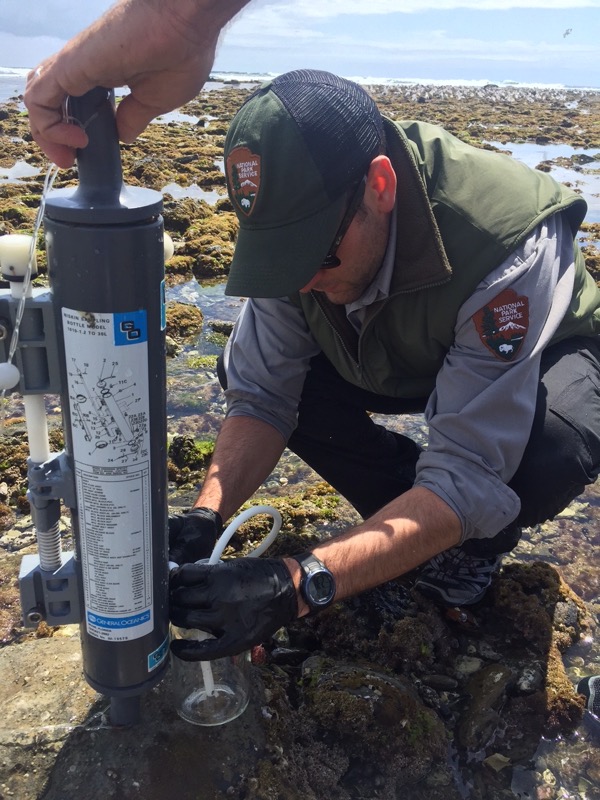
x=318 y=584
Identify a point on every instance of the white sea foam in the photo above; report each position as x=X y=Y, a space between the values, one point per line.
x=12 y=82
x=373 y=80
x=13 y=71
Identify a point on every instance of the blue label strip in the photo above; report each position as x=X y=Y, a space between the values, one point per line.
x=118 y=622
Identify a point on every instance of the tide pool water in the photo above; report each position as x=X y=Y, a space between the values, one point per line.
x=12 y=83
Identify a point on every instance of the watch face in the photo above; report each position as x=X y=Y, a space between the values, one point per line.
x=319 y=587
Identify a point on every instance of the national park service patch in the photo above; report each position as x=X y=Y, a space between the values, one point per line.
x=243 y=173
x=503 y=323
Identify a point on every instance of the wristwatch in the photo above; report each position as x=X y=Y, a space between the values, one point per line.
x=318 y=584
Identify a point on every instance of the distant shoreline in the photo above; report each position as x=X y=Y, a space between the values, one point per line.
x=222 y=76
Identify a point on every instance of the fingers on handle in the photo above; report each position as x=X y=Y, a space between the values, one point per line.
x=133 y=117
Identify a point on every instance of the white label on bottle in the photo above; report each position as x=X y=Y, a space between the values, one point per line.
x=107 y=375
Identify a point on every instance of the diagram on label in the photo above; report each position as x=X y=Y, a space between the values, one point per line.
x=106 y=407
x=106 y=390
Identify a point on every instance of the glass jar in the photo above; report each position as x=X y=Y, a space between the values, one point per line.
x=209 y=692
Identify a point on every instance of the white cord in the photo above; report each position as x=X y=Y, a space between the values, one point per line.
x=224 y=538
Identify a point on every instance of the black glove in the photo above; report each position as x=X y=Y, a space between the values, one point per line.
x=241 y=602
x=192 y=535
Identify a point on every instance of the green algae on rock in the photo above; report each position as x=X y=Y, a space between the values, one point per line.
x=184 y=320
x=188 y=458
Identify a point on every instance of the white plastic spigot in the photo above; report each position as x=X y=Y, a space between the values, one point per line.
x=9 y=376
x=169 y=246
x=15 y=252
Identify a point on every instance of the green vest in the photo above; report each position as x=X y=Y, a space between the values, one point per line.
x=461 y=211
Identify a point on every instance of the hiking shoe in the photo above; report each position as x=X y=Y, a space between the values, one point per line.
x=456 y=578
x=590 y=689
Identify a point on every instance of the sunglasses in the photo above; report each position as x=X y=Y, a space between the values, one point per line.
x=331 y=260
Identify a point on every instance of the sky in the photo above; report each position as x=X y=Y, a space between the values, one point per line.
x=526 y=41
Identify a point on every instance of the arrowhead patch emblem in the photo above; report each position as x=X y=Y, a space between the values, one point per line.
x=243 y=174
x=503 y=323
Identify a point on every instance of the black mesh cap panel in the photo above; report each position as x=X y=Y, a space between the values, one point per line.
x=340 y=123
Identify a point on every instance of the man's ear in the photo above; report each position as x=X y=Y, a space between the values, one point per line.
x=381 y=184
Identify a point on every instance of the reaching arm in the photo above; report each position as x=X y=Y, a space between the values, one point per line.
x=399 y=537
x=406 y=533
x=244 y=601
x=162 y=49
x=246 y=452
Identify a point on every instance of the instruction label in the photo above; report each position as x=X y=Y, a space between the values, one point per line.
x=107 y=373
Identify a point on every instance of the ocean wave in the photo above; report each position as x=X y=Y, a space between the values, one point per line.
x=223 y=76
x=13 y=71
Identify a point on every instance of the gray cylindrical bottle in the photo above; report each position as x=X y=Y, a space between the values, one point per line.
x=105 y=252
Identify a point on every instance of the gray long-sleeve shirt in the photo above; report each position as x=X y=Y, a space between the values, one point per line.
x=481 y=410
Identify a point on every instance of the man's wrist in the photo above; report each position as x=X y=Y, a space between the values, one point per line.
x=296 y=574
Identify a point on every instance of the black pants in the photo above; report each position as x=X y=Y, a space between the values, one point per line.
x=370 y=465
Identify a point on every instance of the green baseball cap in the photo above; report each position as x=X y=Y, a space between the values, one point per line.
x=292 y=152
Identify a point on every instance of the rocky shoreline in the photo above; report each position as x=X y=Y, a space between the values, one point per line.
x=383 y=696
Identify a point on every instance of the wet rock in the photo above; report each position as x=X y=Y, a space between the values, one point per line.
x=467 y=665
x=530 y=680
x=290 y=656
x=6 y=516
x=281 y=637
x=441 y=682
x=183 y=320
x=188 y=457
x=222 y=326
x=430 y=697
x=487 y=652
x=171 y=346
x=374 y=716
x=480 y=720
x=179 y=269
x=566 y=615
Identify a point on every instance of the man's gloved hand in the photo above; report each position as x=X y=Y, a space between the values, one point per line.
x=192 y=535
x=241 y=602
